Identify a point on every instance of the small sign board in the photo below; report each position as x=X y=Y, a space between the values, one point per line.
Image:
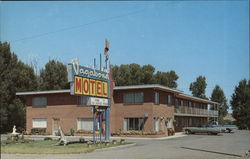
x=98 y=101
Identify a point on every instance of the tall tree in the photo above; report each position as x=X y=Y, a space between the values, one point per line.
x=198 y=87
x=15 y=76
x=54 y=76
x=134 y=74
x=167 y=78
x=219 y=97
x=148 y=74
x=241 y=104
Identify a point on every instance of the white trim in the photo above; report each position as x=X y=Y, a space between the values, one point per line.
x=147 y=86
x=44 y=92
x=189 y=96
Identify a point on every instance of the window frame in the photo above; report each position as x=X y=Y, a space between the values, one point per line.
x=80 y=123
x=40 y=120
x=170 y=99
x=39 y=105
x=156 y=97
x=131 y=124
x=133 y=97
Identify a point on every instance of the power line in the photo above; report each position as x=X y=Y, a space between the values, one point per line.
x=77 y=26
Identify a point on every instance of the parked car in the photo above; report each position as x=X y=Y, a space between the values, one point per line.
x=202 y=129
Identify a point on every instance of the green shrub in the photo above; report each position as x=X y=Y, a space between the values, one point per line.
x=47 y=138
x=71 y=131
x=39 y=131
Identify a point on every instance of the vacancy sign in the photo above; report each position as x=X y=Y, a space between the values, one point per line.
x=98 y=101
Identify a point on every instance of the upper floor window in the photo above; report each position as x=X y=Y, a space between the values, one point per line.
x=157 y=98
x=190 y=104
x=133 y=97
x=182 y=103
x=170 y=99
x=39 y=101
x=179 y=102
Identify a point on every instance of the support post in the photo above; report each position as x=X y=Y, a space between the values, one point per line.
x=107 y=125
x=100 y=117
x=94 y=125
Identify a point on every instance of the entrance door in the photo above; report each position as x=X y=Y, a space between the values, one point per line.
x=156 y=124
x=55 y=126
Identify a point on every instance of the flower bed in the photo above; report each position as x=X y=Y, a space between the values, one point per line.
x=134 y=133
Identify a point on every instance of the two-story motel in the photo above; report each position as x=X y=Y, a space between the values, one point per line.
x=139 y=107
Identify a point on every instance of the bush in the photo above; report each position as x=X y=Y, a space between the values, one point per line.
x=84 y=131
x=71 y=132
x=47 y=138
x=136 y=132
x=40 y=131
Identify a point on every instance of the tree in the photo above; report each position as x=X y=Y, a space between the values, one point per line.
x=198 y=87
x=134 y=74
x=240 y=103
x=15 y=76
x=54 y=76
x=148 y=74
x=219 y=97
x=167 y=78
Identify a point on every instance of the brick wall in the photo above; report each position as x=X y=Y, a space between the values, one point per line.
x=119 y=110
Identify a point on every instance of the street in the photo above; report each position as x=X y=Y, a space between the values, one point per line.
x=192 y=146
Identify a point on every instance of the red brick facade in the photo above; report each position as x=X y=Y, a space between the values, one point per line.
x=63 y=108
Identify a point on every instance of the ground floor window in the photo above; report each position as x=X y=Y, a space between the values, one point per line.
x=84 y=124
x=39 y=123
x=133 y=124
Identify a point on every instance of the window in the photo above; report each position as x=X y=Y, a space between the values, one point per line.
x=170 y=98
x=179 y=102
x=133 y=97
x=39 y=101
x=133 y=124
x=170 y=123
x=39 y=123
x=182 y=103
x=157 y=98
x=190 y=104
x=190 y=122
x=84 y=124
x=82 y=100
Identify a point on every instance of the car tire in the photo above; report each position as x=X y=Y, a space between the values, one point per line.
x=228 y=130
x=188 y=132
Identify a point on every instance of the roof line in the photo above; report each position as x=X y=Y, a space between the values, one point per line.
x=147 y=86
x=44 y=92
x=206 y=100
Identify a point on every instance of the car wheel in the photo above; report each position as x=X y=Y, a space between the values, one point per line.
x=188 y=131
x=229 y=130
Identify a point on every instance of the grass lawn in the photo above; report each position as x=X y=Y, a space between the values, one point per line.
x=48 y=147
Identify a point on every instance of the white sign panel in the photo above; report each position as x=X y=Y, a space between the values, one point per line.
x=98 y=101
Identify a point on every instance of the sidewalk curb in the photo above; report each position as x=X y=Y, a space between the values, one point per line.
x=116 y=147
x=177 y=135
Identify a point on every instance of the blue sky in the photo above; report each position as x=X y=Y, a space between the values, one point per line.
x=209 y=38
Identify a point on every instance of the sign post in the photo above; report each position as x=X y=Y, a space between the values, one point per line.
x=93 y=88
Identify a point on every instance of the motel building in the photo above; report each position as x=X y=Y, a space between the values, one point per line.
x=139 y=107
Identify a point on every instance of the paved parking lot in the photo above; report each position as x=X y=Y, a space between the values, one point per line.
x=226 y=146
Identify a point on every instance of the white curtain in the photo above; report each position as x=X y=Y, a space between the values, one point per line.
x=84 y=124
x=39 y=123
